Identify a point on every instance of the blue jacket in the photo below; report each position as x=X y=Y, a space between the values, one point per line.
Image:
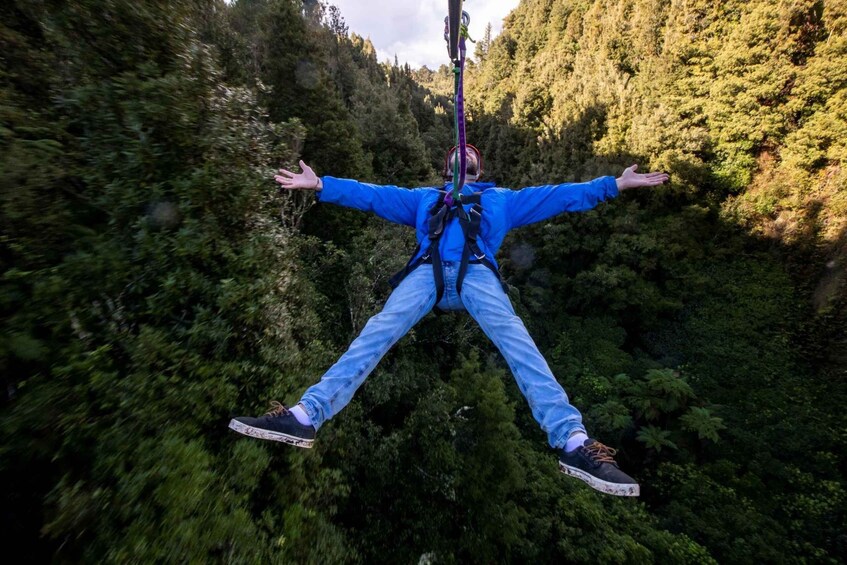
x=503 y=209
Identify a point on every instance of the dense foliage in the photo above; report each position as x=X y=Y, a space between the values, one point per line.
x=155 y=282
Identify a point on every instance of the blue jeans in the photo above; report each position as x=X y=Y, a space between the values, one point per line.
x=484 y=299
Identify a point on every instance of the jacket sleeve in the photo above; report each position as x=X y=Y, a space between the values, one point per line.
x=537 y=203
x=395 y=204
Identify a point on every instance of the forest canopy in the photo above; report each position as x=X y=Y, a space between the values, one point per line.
x=156 y=282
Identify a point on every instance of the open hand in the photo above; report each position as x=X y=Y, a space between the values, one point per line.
x=307 y=180
x=630 y=179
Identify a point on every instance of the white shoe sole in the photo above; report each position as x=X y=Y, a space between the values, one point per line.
x=269 y=435
x=615 y=489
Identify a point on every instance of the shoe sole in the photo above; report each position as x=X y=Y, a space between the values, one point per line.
x=259 y=433
x=615 y=489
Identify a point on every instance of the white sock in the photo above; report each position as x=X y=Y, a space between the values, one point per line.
x=301 y=415
x=576 y=440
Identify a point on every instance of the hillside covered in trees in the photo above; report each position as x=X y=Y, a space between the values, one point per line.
x=156 y=282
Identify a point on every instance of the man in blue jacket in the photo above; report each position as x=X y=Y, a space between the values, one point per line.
x=436 y=277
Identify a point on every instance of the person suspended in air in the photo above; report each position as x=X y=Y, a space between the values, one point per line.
x=454 y=268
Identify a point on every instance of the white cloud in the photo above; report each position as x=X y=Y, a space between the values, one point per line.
x=414 y=31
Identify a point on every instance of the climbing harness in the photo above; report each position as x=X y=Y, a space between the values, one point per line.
x=440 y=216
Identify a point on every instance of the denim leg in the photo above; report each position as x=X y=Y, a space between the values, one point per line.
x=411 y=300
x=486 y=302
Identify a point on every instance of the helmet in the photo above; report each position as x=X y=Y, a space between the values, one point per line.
x=474 y=163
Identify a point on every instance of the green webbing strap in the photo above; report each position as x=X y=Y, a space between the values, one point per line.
x=457 y=76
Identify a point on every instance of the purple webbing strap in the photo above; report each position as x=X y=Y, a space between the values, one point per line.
x=460 y=124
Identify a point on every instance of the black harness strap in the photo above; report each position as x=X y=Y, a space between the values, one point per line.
x=397 y=277
x=470 y=226
x=440 y=215
x=436 y=215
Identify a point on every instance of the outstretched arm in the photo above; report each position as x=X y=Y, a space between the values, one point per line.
x=538 y=203
x=393 y=203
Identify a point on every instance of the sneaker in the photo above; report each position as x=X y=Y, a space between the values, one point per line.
x=594 y=463
x=277 y=425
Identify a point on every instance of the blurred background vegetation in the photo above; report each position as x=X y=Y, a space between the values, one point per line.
x=155 y=282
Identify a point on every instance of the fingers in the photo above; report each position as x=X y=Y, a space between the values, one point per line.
x=284 y=181
x=654 y=179
x=288 y=182
x=306 y=169
x=645 y=176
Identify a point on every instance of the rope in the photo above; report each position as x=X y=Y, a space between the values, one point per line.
x=457 y=54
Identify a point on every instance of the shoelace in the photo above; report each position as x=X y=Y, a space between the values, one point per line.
x=277 y=409
x=600 y=453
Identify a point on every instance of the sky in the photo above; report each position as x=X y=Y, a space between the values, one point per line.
x=414 y=30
